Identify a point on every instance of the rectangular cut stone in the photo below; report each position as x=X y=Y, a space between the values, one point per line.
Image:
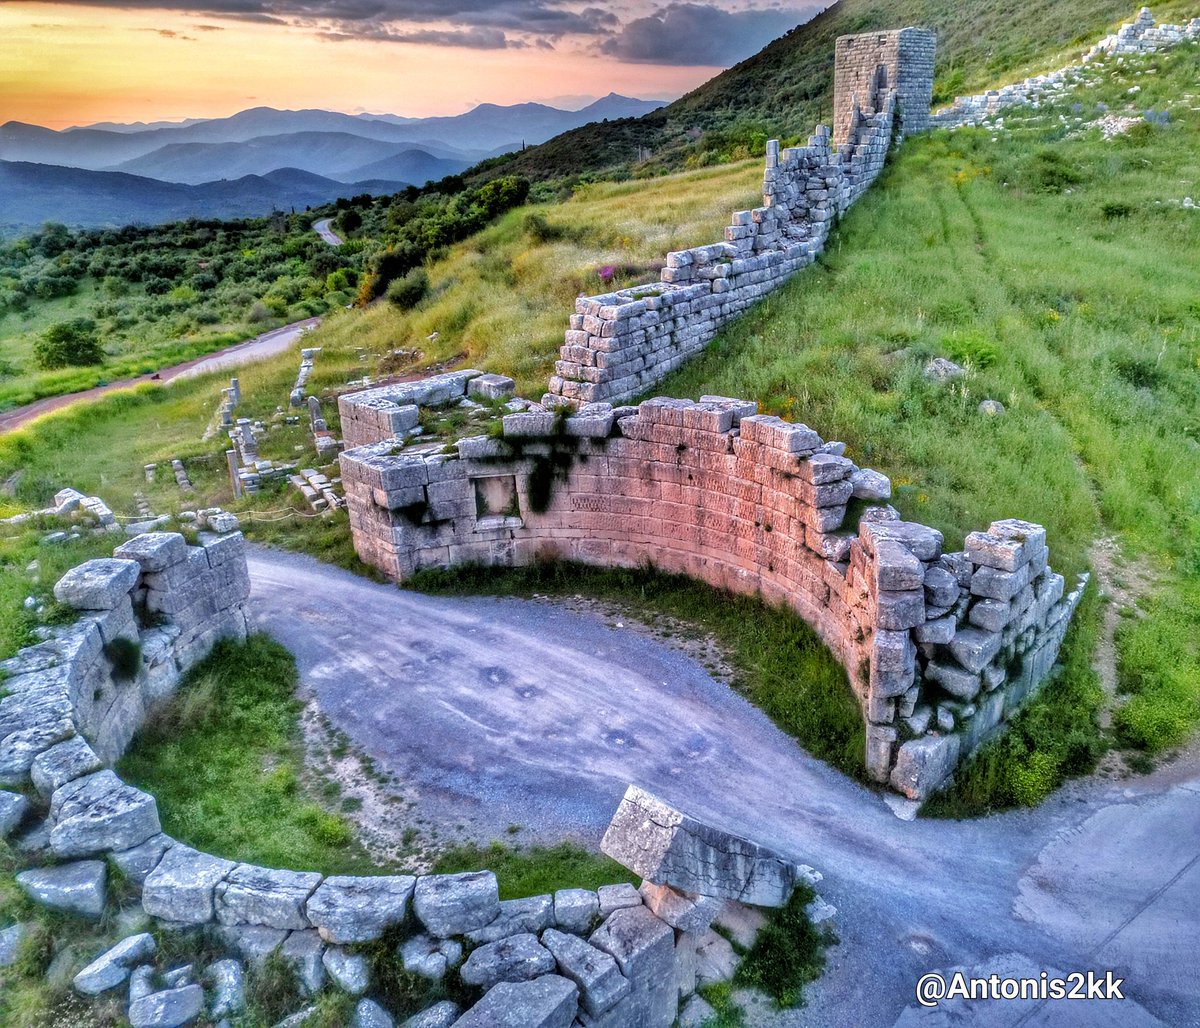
x=643 y=947
x=262 y=896
x=896 y=568
x=154 y=551
x=601 y=984
x=975 y=648
x=901 y=610
x=667 y=847
x=955 y=680
x=348 y=908
x=181 y=888
x=893 y=663
x=994 y=584
x=994 y=552
x=98 y=813
x=924 y=764
x=546 y=1002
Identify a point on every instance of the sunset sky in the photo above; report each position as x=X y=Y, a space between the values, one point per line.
x=74 y=63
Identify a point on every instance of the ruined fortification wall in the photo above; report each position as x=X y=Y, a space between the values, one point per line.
x=620 y=344
x=939 y=648
x=1137 y=37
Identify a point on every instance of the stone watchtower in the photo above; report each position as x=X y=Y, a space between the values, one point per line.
x=870 y=64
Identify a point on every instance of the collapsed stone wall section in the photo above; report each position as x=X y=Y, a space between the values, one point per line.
x=1141 y=36
x=620 y=344
x=939 y=648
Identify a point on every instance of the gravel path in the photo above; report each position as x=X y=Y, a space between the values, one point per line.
x=503 y=711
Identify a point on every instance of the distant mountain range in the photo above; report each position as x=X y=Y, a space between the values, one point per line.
x=34 y=193
x=232 y=162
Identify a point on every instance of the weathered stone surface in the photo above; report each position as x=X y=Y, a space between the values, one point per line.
x=955 y=680
x=923 y=764
x=871 y=485
x=350 y=972
x=516 y=916
x=169 y=1009
x=547 y=1002
x=297 y=1020
x=900 y=611
x=515 y=959
x=716 y=959
x=253 y=943
x=429 y=957
x=440 y=1015
x=456 y=904
x=136 y=863
x=696 y=1013
x=601 y=984
x=575 y=910
x=97 y=584
x=303 y=951
x=78 y=888
x=741 y=922
x=228 y=981
x=644 y=949
x=98 y=813
x=259 y=895
x=684 y=911
x=141 y=982
x=63 y=763
x=941 y=587
x=369 y=1014
x=896 y=568
x=10 y=943
x=491 y=387
x=975 y=648
x=154 y=551
x=667 y=847
x=347 y=909
x=181 y=887
x=19 y=749
x=113 y=966
x=617 y=897
x=13 y=807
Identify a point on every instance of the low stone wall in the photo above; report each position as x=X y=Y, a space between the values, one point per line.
x=939 y=647
x=615 y=957
x=1137 y=37
x=620 y=344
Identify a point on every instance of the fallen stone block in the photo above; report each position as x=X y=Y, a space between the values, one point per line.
x=682 y=911
x=547 y=1002
x=601 y=984
x=78 y=888
x=113 y=966
x=667 y=847
x=923 y=764
x=169 y=1009
x=518 y=958
x=228 y=981
x=644 y=949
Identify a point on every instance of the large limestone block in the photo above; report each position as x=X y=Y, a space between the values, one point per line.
x=13 y=807
x=78 y=888
x=518 y=958
x=99 y=584
x=456 y=904
x=171 y=1008
x=154 y=551
x=601 y=984
x=575 y=910
x=112 y=967
x=181 y=888
x=667 y=847
x=923 y=764
x=63 y=763
x=137 y=862
x=532 y=914
x=259 y=895
x=98 y=813
x=683 y=911
x=346 y=908
x=547 y=1002
x=644 y=948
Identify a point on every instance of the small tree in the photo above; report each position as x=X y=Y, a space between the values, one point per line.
x=69 y=344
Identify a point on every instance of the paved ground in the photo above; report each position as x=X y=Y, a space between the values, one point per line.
x=508 y=711
x=260 y=347
x=322 y=229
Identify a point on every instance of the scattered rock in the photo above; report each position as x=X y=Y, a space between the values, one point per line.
x=547 y=1002
x=228 y=982
x=13 y=807
x=112 y=967
x=696 y=1013
x=440 y=1015
x=168 y=1009
x=10 y=943
x=369 y=1014
x=350 y=972
x=941 y=370
x=601 y=984
x=303 y=952
x=429 y=957
x=992 y=408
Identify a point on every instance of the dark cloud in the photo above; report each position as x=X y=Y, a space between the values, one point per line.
x=472 y=39
x=695 y=34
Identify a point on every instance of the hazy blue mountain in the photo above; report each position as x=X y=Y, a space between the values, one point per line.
x=36 y=193
x=334 y=155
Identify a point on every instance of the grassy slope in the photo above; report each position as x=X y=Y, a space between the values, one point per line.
x=788 y=86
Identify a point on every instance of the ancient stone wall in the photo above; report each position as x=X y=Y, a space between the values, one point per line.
x=1137 y=37
x=869 y=66
x=620 y=344
x=939 y=648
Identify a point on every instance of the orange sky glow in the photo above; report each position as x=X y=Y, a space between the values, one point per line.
x=64 y=65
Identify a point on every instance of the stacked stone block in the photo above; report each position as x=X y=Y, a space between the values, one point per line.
x=939 y=647
x=386 y=412
x=620 y=344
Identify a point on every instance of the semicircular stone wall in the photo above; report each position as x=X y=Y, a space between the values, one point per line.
x=939 y=648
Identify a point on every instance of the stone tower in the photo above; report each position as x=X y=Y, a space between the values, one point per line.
x=868 y=65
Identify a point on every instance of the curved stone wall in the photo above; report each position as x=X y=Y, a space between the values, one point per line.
x=939 y=648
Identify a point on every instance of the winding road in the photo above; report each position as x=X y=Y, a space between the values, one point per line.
x=322 y=229
x=503 y=711
x=259 y=348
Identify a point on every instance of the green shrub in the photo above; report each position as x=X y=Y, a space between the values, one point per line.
x=68 y=344
x=125 y=656
x=971 y=348
x=788 y=953
x=409 y=290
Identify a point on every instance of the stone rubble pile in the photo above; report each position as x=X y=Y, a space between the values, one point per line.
x=1138 y=37
x=72 y=503
x=318 y=489
x=181 y=476
x=392 y=411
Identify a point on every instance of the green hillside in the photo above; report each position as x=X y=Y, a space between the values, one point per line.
x=787 y=88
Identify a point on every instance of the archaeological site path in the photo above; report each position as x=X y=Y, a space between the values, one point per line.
x=501 y=711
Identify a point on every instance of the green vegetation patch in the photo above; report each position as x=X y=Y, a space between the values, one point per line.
x=788 y=953
x=535 y=870
x=781 y=666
